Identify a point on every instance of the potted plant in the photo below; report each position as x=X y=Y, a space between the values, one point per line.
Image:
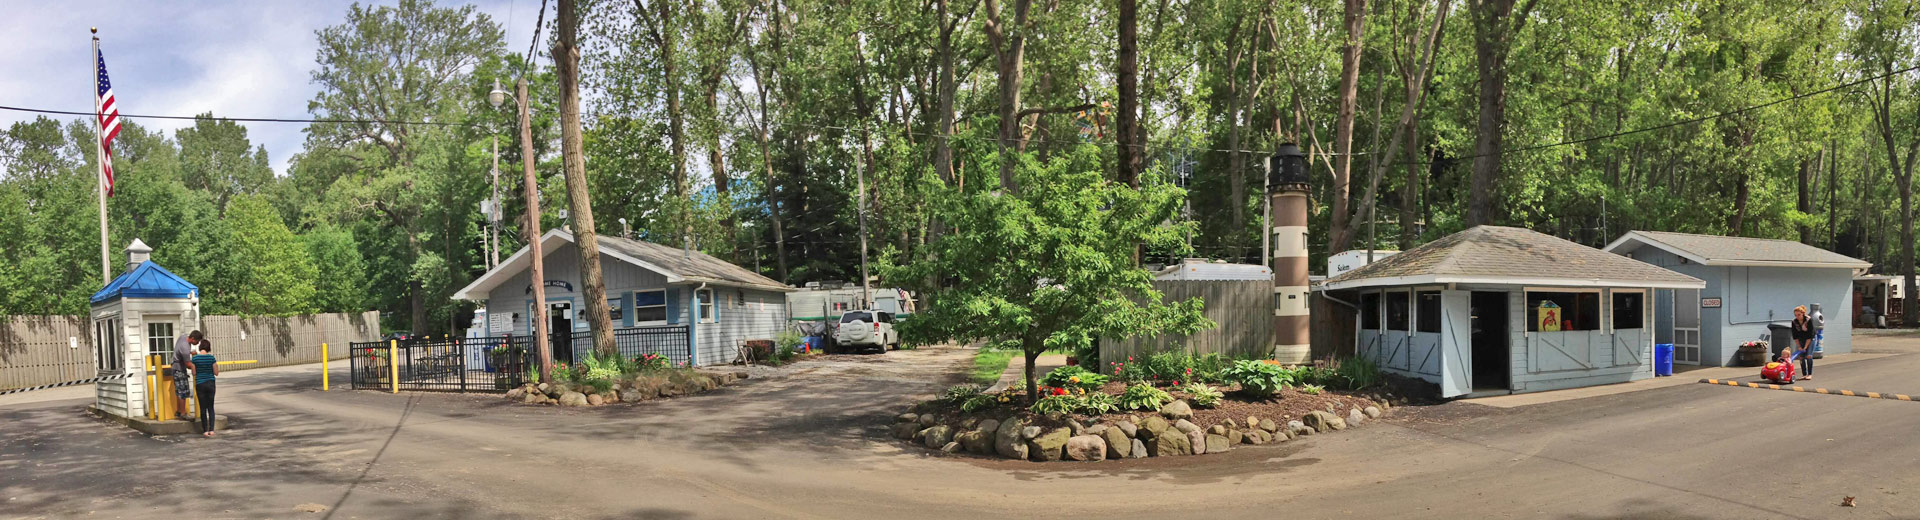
x=1752 y=353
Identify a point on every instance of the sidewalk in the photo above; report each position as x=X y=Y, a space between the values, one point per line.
x=1015 y=375
x=86 y=391
x=1678 y=378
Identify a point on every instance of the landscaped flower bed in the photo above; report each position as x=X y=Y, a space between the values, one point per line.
x=1166 y=407
x=596 y=382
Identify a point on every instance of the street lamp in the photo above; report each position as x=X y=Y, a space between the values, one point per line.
x=497 y=97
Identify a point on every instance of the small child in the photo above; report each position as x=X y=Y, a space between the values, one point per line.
x=205 y=369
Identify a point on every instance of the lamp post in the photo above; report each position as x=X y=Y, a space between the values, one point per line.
x=1287 y=202
x=531 y=189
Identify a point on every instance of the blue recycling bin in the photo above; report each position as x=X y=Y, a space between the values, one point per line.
x=1663 y=359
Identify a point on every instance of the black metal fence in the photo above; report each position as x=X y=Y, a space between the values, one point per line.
x=670 y=341
x=493 y=364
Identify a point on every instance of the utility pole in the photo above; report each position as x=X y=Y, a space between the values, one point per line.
x=860 y=208
x=493 y=212
x=532 y=191
x=566 y=54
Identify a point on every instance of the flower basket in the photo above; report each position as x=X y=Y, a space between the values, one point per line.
x=1752 y=354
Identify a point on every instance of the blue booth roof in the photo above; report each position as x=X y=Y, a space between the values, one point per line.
x=148 y=280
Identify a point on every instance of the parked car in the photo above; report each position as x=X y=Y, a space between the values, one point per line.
x=866 y=329
x=400 y=335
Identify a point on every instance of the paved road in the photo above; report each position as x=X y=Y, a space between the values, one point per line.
x=811 y=445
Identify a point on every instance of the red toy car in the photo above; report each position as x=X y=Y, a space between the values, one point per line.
x=1779 y=372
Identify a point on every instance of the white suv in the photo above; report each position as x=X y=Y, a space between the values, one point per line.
x=867 y=329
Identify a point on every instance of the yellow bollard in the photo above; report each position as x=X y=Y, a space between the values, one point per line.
x=325 y=367
x=152 y=413
x=393 y=364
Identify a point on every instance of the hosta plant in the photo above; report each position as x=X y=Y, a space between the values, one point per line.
x=1143 y=397
x=1202 y=394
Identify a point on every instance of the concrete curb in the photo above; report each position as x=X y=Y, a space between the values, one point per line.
x=1848 y=393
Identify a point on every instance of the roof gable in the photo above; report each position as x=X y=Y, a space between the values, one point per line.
x=1496 y=254
x=672 y=263
x=1735 y=251
x=147 y=280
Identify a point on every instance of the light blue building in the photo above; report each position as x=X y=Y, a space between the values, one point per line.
x=1751 y=283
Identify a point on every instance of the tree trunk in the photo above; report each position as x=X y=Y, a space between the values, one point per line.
x=530 y=190
x=1492 y=39
x=722 y=181
x=1410 y=192
x=1741 y=191
x=1009 y=44
x=1355 y=21
x=1031 y=350
x=592 y=288
x=1805 y=202
x=942 y=147
x=1126 y=119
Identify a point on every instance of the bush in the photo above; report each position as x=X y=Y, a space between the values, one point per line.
x=1210 y=368
x=1143 y=397
x=1059 y=404
x=1259 y=378
x=980 y=402
x=1169 y=366
x=1129 y=371
x=1357 y=373
x=1074 y=377
x=1312 y=389
x=790 y=340
x=960 y=394
x=1202 y=394
x=1098 y=403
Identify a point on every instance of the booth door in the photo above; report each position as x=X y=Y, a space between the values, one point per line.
x=160 y=336
x=1686 y=326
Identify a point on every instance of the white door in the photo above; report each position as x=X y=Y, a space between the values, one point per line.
x=1686 y=326
x=1456 y=343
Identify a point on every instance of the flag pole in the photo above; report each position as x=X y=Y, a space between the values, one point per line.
x=100 y=160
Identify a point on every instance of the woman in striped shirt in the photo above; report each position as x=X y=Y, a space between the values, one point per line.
x=205 y=369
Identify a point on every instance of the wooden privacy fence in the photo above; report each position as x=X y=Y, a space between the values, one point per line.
x=38 y=350
x=1242 y=311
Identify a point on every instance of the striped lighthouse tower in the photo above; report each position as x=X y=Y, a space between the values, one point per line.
x=1287 y=193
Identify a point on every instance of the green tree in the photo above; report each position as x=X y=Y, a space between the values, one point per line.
x=275 y=273
x=215 y=157
x=340 y=284
x=1049 y=265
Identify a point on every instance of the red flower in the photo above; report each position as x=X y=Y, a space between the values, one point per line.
x=1059 y=391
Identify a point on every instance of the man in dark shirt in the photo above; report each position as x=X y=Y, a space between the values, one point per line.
x=183 y=372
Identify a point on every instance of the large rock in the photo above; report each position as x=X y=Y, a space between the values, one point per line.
x=1139 y=450
x=1177 y=410
x=1031 y=432
x=938 y=435
x=1049 y=446
x=573 y=399
x=976 y=442
x=1269 y=425
x=907 y=417
x=1169 y=445
x=633 y=395
x=1186 y=426
x=951 y=447
x=1295 y=425
x=1197 y=439
x=927 y=419
x=534 y=398
x=516 y=394
x=1256 y=437
x=1152 y=426
x=1253 y=422
x=1118 y=445
x=1355 y=417
x=1218 y=444
x=1086 y=447
x=1097 y=429
x=989 y=426
x=1372 y=412
x=1073 y=425
x=1218 y=429
x=1235 y=436
x=1006 y=439
x=905 y=431
x=1127 y=427
x=1302 y=431
x=596 y=400
x=1323 y=422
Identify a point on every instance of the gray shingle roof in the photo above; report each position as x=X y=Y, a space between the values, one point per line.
x=696 y=266
x=1493 y=254
x=1721 y=250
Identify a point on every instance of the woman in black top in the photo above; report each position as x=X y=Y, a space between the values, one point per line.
x=1802 y=339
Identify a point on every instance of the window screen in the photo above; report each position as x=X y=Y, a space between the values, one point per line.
x=1427 y=311
x=1399 y=310
x=1575 y=310
x=1628 y=310
x=649 y=306
x=1370 y=311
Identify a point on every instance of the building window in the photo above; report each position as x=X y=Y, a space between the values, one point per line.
x=1427 y=311
x=1629 y=310
x=1370 y=311
x=1399 y=310
x=160 y=339
x=649 y=307
x=106 y=340
x=706 y=305
x=1573 y=310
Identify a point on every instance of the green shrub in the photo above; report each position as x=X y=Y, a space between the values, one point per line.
x=789 y=339
x=1357 y=373
x=1128 y=371
x=979 y=402
x=1259 y=378
x=1143 y=397
x=960 y=394
x=1059 y=404
x=1169 y=366
x=1074 y=377
x=1202 y=394
x=1210 y=368
x=1311 y=389
x=1098 y=403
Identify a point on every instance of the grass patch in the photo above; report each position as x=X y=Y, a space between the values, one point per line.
x=989 y=363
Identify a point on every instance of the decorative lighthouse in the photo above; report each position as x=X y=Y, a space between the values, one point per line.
x=1287 y=197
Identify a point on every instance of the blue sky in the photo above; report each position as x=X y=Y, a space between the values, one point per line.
x=229 y=57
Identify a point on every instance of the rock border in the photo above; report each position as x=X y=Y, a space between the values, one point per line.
x=1134 y=436
x=631 y=389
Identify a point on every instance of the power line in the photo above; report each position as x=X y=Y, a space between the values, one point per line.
x=246 y=119
x=538 y=24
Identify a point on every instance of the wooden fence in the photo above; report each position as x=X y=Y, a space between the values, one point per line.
x=1242 y=311
x=38 y=350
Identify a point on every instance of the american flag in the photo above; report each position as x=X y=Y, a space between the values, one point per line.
x=109 y=113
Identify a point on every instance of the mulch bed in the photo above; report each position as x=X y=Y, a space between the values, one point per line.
x=1289 y=404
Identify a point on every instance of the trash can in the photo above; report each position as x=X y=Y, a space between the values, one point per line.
x=1780 y=338
x=1663 y=359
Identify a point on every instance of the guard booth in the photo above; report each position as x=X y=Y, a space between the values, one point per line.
x=136 y=319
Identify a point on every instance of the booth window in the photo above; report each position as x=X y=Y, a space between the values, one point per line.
x=1427 y=311
x=649 y=307
x=1399 y=310
x=1370 y=311
x=160 y=339
x=1577 y=310
x=706 y=305
x=1628 y=310
x=112 y=357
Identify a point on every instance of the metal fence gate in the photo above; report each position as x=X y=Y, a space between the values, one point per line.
x=670 y=341
x=450 y=364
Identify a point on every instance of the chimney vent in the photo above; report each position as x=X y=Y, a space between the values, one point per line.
x=137 y=253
